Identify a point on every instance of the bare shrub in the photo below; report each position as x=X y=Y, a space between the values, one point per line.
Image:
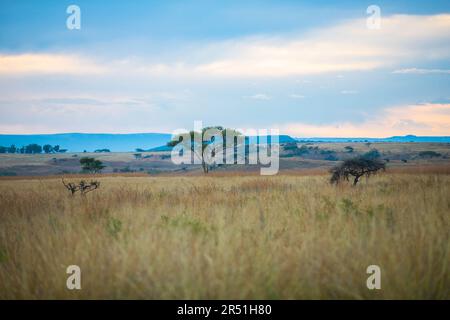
x=83 y=187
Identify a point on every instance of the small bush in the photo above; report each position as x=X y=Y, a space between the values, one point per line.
x=349 y=149
x=290 y=146
x=7 y=174
x=429 y=154
x=371 y=155
x=331 y=157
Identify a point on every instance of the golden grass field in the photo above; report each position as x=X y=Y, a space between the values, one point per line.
x=291 y=236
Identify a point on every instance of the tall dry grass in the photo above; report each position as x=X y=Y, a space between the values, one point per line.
x=282 y=237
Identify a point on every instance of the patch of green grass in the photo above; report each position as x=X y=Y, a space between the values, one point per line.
x=186 y=222
x=114 y=226
x=3 y=255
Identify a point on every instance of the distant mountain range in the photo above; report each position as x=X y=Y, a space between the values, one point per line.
x=252 y=140
x=78 y=142
x=407 y=138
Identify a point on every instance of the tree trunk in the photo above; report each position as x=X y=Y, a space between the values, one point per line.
x=205 y=167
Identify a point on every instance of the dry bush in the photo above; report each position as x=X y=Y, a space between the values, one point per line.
x=83 y=187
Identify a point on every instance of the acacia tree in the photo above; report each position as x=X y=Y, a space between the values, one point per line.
x=357 y=168
x=91 y=165
x=33 y=148
x=205 y=142
x=47 y=148
x=12 y=149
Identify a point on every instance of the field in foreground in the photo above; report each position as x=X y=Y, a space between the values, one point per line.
x=230 y=237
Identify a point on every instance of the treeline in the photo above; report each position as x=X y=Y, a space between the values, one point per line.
x=32 y=149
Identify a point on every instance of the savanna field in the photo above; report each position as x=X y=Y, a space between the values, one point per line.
x=230 y=236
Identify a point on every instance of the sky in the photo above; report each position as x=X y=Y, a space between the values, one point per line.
x=309 y=69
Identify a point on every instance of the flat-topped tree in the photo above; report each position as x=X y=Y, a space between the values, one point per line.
x=47 y=148
x=206 y=140
x=91 y=165
x=357 y=168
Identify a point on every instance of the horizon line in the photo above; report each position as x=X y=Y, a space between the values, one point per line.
x=281 y=134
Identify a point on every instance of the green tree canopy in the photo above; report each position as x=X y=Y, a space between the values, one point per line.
x=357 y=168
x=205 y=141
x=91 y=165
x=48 y=148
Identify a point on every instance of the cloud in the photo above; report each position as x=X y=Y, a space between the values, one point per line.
x=346 y=47
x=47 y=64
x=296 y=96
x=349 y=92
x=349 y=46
x=113 y=112
x=422 y=119
x=260 y=96
x=421 y=71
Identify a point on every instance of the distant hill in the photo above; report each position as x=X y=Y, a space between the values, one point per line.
x=407 y=138
x=281 y=139
x=78 y=142
x=252 y=139
x=285 y=139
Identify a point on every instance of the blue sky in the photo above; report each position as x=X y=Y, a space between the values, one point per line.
x=308 y=69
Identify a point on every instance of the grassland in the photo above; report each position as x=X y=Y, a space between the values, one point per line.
x=398 y=154
x=230 y=236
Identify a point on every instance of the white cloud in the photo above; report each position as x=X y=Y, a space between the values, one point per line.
x=421 y=71
x=260 y=96
x=422 y=119
x=349 y=46
x=100 y=112
x=349 y=92
x=47 y=64
x=303 y=81
x=346 y=47
x=296 y=96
